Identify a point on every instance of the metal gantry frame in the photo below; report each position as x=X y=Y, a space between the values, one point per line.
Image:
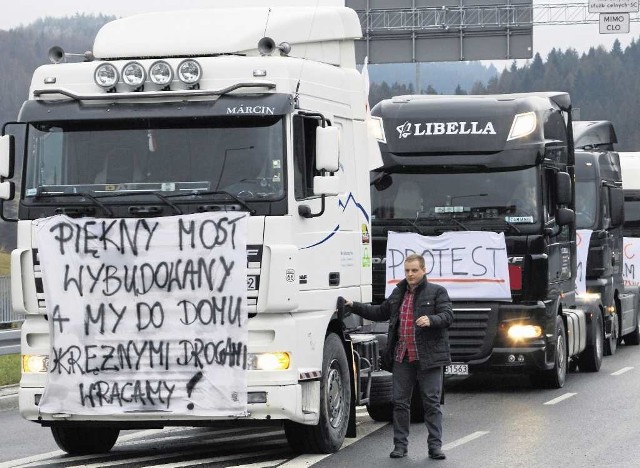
x=462 y=18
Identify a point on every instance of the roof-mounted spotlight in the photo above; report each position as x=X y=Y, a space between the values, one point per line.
x=134 y=75
x=106 y=76
x=161 y=73
x=189 y=72
x=266 y=46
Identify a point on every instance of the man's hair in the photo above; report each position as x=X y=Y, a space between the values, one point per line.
x=415 y=258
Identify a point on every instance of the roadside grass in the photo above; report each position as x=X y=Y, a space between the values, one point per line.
x=9 y=369
x=5 y=267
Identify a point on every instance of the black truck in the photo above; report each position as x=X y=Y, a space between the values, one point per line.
x=600 y=214
x=464 y=157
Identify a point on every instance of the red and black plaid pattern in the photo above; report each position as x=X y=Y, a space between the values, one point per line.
x=406 y=332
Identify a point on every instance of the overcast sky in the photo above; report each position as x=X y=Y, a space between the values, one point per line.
x=16 y=13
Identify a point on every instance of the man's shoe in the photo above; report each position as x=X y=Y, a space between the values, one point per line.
x=437 y=454
x=398 y=452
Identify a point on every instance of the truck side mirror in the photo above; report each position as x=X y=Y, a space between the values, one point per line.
x=563 y=188
x=616 y=206
x=327 y=149
x=7 y=159
x=565 y=216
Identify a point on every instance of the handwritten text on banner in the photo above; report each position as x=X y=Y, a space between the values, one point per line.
x=146 y=314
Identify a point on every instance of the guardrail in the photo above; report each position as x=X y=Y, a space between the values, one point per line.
x=9 y=342
x=6 y=312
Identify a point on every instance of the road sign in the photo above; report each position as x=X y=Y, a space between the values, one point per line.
x=614 y=23
x=614 y=6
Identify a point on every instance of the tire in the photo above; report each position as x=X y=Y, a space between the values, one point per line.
x=591 y=358
x=555 y=378
x=85 y=440
x=611 y=343
x=381 y=413
x=335 y=400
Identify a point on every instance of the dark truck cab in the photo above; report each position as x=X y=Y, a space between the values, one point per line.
x=600 y=209
x=465 y=158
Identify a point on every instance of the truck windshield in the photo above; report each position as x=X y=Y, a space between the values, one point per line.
x=243 y=156
x=632 y=210
x=512 y=196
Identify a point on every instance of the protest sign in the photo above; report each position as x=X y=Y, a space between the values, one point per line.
x=583 y=237
x=146 y=315
x=631 y=261
x=472 y=265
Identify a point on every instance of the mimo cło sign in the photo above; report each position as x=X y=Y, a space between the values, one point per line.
x=614 y=23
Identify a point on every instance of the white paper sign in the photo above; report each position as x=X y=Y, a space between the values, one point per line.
x=583 y=237
x=472 y=265
x=631 y=260
x=146 y=314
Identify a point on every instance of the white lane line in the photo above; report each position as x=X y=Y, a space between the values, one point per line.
x=560 y=398
x=622 y=371
x=364 y=429
x=464 y=440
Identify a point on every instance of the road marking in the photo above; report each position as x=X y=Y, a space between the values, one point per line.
x=464 y=440
x=622 y=371
x=560 y=398
x=364 y=429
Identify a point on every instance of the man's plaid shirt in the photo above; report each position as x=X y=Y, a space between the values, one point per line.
x=406 y=331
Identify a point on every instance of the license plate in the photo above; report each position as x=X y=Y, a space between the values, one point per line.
x=456 y=369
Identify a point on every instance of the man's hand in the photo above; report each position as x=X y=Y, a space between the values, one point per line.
x=423 y=321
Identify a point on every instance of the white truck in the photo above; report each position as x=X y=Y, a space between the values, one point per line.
x=255 y=113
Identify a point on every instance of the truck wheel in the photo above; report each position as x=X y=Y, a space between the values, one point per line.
x=382 y=412
x=335 y=399
x=611 y=343
x=591 y=358
x=554 y=378
x=85 y=440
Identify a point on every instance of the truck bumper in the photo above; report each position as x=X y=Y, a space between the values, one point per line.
x=283 y=402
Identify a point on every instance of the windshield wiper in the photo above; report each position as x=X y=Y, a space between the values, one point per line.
x=88 y=196
x=510 y=224
x=240 y=201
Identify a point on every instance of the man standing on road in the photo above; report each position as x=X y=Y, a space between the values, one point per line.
x=419 y=314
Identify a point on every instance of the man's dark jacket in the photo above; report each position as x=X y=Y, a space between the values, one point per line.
x=432 y=342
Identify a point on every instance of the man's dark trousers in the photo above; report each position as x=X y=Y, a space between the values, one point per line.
x=405 y=375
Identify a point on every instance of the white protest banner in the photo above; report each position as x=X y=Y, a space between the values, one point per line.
x=146 y=314
x=631 y=261
x=472 y=265
x=583 y=237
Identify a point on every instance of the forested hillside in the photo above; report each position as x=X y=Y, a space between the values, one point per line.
x=604 y=85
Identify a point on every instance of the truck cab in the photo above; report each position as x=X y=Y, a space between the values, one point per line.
x=600 y=213
x=256 y=114
x=501 y=164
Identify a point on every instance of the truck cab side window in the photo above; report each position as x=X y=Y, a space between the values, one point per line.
x=304 y=132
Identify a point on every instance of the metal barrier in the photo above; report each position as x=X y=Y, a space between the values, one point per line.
x=6 y=312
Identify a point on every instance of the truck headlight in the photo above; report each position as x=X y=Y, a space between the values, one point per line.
x=34 y=364
x=523 y=125
x=269 y=361
x=106 y=76
x=521 y=331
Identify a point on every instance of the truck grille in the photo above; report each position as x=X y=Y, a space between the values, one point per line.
x=471 y=334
